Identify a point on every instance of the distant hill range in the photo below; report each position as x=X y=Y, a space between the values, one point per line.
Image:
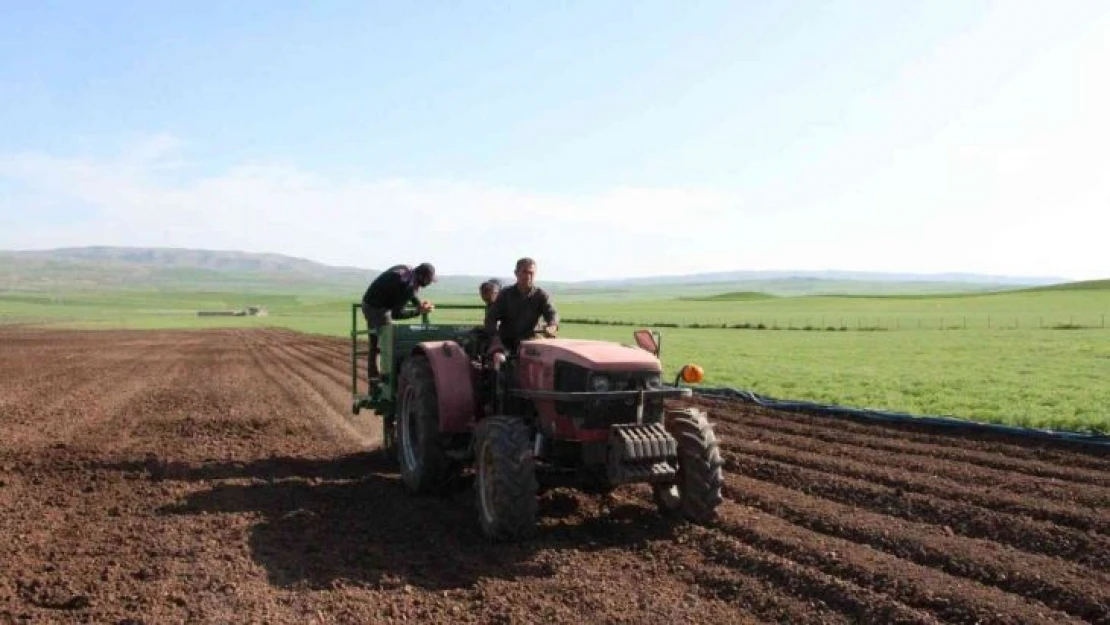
x=209 y=270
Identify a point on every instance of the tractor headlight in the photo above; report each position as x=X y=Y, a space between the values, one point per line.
x=653 y=381
x=600 y=383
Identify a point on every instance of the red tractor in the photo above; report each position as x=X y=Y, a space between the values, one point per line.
x=559 y=412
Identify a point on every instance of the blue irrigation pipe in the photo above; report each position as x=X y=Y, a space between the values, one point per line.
x=884 y=416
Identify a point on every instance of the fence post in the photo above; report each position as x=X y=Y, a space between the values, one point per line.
x=988 y=322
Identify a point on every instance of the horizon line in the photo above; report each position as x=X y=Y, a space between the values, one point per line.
x=795 y=272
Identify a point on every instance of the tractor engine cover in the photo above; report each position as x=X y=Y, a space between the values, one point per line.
x=641 y=453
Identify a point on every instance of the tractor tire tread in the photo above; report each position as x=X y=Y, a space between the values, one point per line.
x=700 y=465
x=417 y=372
x=514 y=477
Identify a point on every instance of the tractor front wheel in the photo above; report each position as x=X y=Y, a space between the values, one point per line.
x=505 y=478
x=424 y=465
x=696 y=492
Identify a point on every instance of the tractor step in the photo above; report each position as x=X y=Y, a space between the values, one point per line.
x=641 y=453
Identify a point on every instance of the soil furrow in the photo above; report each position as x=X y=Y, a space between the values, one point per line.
x=1034 y=457
x=1048 y=489
x=285 y=374
x=305 y=367
x=809 y=583
x=325 y=366
x=1025 y=534
x=761 y=598
x=918 y=585
x=876 y=443
x=1097 y=520
x=1061 y=585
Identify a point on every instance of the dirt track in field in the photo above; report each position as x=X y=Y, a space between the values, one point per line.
x=219 y=476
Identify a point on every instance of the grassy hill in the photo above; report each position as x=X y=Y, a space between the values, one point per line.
x=1085 y=285
x=98 y=268
x=733 y=296
x=178 y=270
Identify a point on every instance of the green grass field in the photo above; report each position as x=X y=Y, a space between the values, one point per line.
x=1035 y=358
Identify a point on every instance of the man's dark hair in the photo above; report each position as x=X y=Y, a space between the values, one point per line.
x=493 y=284
x=524 y=262
x=425 y=273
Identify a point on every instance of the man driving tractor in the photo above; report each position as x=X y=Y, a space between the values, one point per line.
x=514 y=314
x=385 y=301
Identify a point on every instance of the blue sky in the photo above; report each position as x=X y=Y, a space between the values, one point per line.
x=604 y=139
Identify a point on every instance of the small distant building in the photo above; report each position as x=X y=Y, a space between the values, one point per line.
x=249 y=311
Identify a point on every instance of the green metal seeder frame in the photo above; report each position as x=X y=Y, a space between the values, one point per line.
x=380 y=397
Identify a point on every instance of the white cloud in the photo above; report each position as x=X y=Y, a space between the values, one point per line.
x=463 y=227
x=143 y=198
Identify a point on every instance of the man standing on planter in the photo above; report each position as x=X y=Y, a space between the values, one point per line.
x=385 y=301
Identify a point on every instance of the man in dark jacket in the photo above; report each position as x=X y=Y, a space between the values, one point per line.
x=385 y=299
x=513 y=316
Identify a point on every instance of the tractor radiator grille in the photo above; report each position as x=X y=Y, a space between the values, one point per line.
x=602 y=413
x=641 y=453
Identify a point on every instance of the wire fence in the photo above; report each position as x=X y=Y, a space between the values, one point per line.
x=844 y=323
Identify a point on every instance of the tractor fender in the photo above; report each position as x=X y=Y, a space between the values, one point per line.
x=455 y=382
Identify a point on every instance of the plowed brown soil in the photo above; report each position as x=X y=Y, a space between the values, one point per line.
x=219 y=476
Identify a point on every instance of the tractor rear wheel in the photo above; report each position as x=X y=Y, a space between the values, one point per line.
x=505 y=478
x=696 y=492
x=424 y=465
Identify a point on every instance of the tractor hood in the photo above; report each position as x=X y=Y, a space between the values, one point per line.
x=594 y=355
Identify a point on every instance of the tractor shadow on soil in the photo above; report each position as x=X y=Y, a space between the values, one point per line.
x=350 y=520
